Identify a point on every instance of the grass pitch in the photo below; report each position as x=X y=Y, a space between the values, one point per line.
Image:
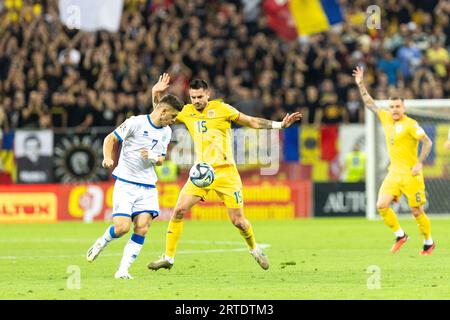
x=310 y=259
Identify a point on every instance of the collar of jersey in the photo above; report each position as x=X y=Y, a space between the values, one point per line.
x=209 y=104
x=151 y=123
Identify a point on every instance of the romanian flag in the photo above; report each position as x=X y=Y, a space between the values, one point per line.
x=7 y=163
x=314 y=16
x=309 y=144
x=290 y=144
x=310 y=152
x=308 y=16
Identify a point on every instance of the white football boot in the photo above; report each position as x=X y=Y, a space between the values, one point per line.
x=95 y=250
x=122 y=274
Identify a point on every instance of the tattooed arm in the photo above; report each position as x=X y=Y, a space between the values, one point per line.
x=358 y=74
x=260 y=123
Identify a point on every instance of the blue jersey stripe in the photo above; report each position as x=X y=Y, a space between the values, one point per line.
x=117 y=135
x=132 y=182
x=151 y=123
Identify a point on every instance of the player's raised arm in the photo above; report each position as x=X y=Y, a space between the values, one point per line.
x=260 y=123
x=161 y=86
x=358 y=74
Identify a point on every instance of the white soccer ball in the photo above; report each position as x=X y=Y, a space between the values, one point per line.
x=201 y=174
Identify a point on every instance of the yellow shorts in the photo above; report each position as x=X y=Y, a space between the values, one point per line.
x=413 y=188
x=227 y=184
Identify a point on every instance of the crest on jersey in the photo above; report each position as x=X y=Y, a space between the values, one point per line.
x=211 y=113
x=398 y=128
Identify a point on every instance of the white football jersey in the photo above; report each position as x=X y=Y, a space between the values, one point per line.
x=136 y=133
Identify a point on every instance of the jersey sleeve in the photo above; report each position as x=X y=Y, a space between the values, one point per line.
x=416 y=131
x=383 y=115
x=231 y=113
x=125 y=129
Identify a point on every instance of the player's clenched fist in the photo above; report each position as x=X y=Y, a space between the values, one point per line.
x=149 y=155
x=108 y=163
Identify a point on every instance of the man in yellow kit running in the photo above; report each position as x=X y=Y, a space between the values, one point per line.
x=405 y=171
x=209 y=123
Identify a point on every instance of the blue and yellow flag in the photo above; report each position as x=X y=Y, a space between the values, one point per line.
x=314 y=16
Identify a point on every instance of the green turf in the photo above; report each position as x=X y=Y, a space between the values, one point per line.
x=310 y=259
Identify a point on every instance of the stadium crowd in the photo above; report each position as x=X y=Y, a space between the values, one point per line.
x=51 y=76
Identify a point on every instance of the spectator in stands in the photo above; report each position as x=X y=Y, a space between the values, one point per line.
x=439 y=58
x=409 y=57
x=210 y=39
x=390 y=66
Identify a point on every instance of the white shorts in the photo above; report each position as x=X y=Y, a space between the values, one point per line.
x=130 y=199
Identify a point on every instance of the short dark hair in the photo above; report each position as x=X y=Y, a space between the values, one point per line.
x=198 y=84
x=172 y=101
x=396 y=98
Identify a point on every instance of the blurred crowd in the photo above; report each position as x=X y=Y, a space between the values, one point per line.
x=51 y=76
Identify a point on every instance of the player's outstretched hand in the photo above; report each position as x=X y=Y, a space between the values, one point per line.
x=107 y=163
x=162 y=84
x=289 y=119
x=358 y=74
x=149 y=155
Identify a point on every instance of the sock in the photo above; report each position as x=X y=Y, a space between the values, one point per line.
x=108 y=236
x=249 y=237
x=131 y=251
x=399 y=233
x=390 y=219
x=424 y=226
x=173 y=234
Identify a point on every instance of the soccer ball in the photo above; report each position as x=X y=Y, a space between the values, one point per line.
x=201 y=174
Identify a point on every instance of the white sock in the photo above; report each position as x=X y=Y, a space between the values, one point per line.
x=131 y=251
x=399 y=233
x=171 y=260
x=428 y=242
x=108 y=236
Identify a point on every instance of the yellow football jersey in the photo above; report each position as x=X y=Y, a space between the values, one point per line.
x=211 y=131
x=402 y=141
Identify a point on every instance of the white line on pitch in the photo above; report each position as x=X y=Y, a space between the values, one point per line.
x=112 y=254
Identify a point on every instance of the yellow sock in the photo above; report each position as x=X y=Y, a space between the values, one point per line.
x=424 y=225
x=390 y=219
x=173 y=234
x=249 y=237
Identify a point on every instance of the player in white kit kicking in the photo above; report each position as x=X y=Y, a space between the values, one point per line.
x=135 y=199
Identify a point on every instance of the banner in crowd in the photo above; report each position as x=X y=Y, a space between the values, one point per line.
x=437 y=163
x=91 y=15
x=290 y=18
x=78 y=157
x=28 y=203
x=339 y=199
x=90 y=202
x=34 y=152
